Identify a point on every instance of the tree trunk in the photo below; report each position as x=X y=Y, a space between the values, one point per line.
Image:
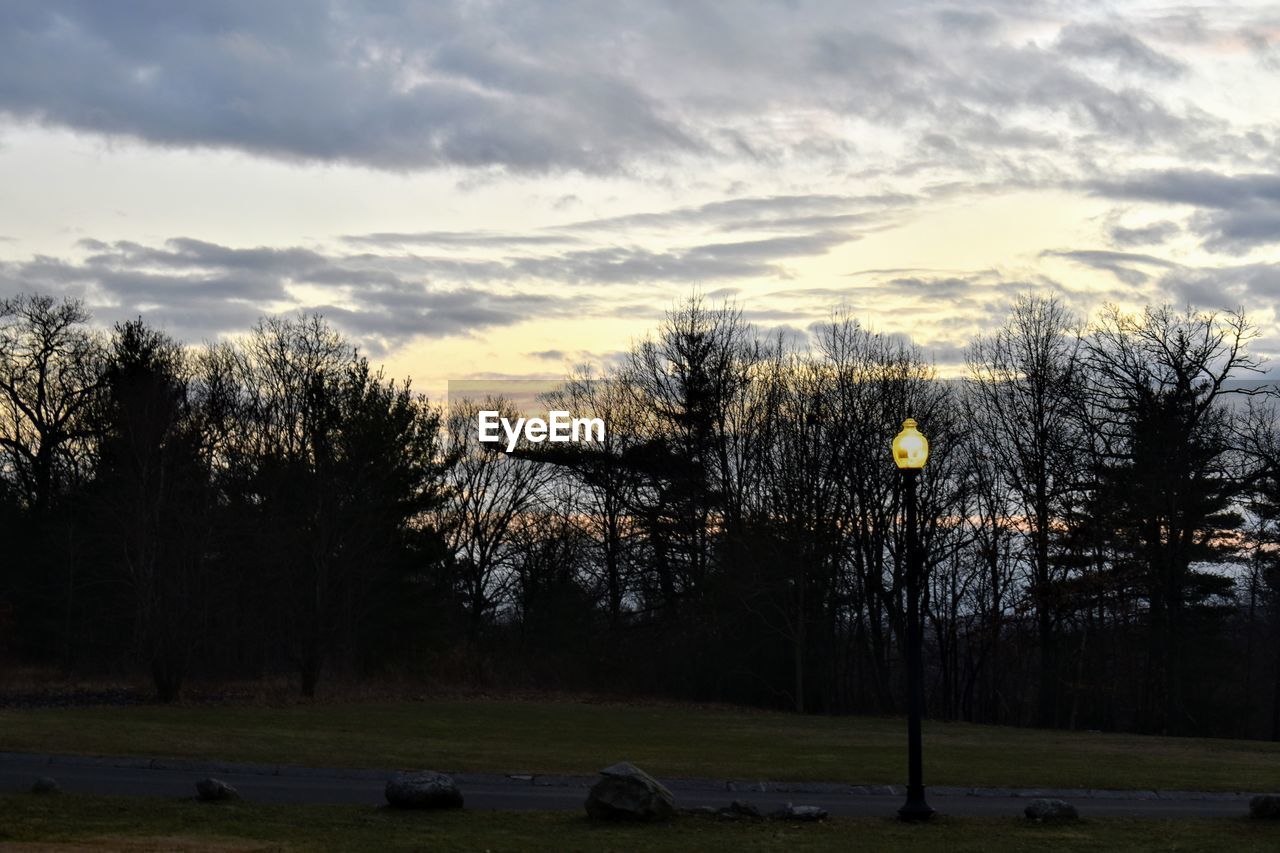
x=611 y=547
x=167 y=677
x=1275 y=703
x=798 y=647
x=310 y=672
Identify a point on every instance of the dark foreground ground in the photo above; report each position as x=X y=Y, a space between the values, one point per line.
x=488 y=792
x=73 y=822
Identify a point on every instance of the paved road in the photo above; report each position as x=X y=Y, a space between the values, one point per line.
x=146 y=777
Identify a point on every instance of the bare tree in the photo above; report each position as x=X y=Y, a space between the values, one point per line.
x=877 y=381
x=995 y=555
x=801 y=501
x=1162 y=379
x=1022 y=384
x=609 y=487
x=490 y=496
x=153 y=494
x=50 y=383
x=337 y=463
x=50 y=376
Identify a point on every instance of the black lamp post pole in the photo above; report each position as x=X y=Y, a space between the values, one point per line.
x=915 y=808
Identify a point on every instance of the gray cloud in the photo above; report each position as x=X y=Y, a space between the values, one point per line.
x=707 y=262
x=458 y=239
x=775 y=247
x=1108 y=42
x=1144 y=235
x=1195 y=187
x=1224 y=287
x=980 y=22
x=198 y=290
x=908 y=104
x=957 y=291
x=545 y=86
x=756 y=212
x=1237 y=212
x=945 y=353
x=948 y=289
x=384 y=320
x=386 y=296
x=1123 y=265
x=1240 y=229
x=808 y=223
x=346 y=82
x=791 y=336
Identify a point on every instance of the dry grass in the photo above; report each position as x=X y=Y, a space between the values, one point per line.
x=146 y=844
x=539 y=736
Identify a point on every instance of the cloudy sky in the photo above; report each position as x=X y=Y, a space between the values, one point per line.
x=477 y=188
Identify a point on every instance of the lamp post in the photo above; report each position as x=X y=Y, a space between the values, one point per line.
x=910 y=452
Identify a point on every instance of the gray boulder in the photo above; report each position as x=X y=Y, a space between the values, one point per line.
x=424 y=789
x=625 y=792
x=1050 y=810
x=46 y=785
x=215 y=790
x=1265 y=806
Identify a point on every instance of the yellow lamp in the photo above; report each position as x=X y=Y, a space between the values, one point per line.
x=910 y=448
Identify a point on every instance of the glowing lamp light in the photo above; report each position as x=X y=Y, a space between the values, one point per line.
x=910 y=448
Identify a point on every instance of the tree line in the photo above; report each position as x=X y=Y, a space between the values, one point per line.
x=1100 y=513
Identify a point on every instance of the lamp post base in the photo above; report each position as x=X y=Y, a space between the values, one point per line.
x=916 y=809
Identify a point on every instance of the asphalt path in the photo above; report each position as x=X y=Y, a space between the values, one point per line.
x=283 y=784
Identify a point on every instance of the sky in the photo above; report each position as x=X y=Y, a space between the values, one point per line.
x=479 y=189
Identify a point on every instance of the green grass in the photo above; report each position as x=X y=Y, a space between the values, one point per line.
x=72 y=822
x=574 y=737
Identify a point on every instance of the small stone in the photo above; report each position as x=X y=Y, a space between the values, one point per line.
x=215 y=790
x=1050 y=810
x=805 y=814
x=1265 y=807
x=424 y=789
x=742 y=808
x=46 y=785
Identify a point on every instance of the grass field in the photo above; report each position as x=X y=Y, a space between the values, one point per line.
x=580 y=737
x=67 y=822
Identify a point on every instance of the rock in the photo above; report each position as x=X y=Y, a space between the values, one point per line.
x=625 y=792
x=741 y=808
x=807 y=814
x=424 y=789
x=1050 y=810
x=46 y=785
x=701 y=811
x=215 y=790
x=1266 y=806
